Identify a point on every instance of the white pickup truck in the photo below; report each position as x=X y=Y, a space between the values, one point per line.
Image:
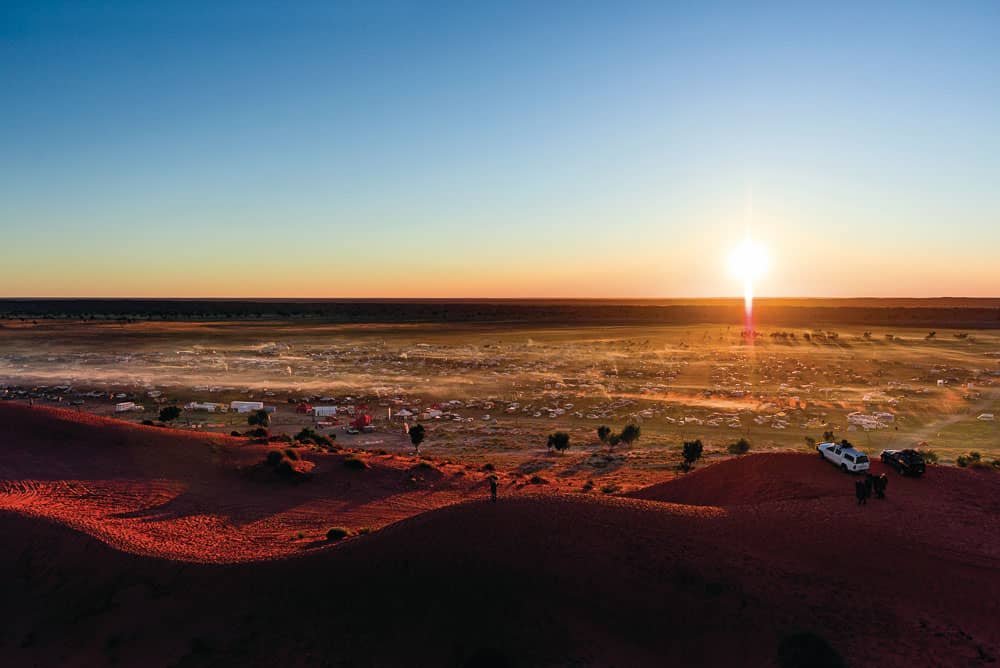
x=845 y=456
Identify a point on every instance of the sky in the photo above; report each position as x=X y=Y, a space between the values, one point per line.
x=536 y=149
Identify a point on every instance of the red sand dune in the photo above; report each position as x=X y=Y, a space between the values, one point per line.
x=720 y=567
x=180 y=494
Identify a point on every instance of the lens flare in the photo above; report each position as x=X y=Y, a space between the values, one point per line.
x=748 y=261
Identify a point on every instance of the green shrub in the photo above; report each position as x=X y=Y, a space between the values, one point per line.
x=740 y=447
x=337 y=533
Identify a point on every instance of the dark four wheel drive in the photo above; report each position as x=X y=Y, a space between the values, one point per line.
x=907 y=462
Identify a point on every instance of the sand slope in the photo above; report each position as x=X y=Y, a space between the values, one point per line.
x=182 y=495
x=716 y=568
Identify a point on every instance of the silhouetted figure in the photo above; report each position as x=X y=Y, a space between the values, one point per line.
x=869 y=484
x=493 y=490
x=880 y=484
x=859 y=492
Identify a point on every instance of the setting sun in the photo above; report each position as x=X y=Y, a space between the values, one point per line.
x=748 y=261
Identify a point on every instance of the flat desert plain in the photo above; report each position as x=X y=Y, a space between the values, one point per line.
x=198 y=540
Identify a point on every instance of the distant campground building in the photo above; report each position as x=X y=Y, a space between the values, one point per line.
x=246 y=406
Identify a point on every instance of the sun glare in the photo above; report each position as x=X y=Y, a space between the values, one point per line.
x=748 y=261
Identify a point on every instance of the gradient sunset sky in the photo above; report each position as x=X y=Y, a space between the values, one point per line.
x=563 y=149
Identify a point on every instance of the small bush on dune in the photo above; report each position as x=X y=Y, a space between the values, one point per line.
x=307 y=435
x=587 y=486
x=538 y=480
x=971 y=459
x=611 y=488
x=740 y=447
x=259 y=432
x=930 y=457
x=148 y=423
x=355 y=463
x=273 y=458
x=292 y=454
x=234 y=433
x=337 y=533
x=488 y=467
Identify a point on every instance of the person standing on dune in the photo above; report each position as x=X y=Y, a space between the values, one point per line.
x=859 y=492
x=493 y=488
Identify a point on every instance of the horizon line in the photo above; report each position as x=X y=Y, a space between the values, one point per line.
x=495 y=299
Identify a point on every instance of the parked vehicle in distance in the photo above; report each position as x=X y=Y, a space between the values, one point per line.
x=907 y=462
x=845 y=456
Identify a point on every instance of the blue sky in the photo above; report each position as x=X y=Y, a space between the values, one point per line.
x=513 y=149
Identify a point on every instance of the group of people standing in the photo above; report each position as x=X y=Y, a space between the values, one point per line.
x=872 y=483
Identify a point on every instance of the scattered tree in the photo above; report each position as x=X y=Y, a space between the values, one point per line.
x=613 y=440
x=559 y=441
x=259 y=419
x=630 y=434
x=740 y=447
x=603 y=432
x=169 y=413
x=692 y=452
x=417 y=436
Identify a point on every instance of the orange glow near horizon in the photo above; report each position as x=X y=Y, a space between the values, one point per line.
x=748 y=261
